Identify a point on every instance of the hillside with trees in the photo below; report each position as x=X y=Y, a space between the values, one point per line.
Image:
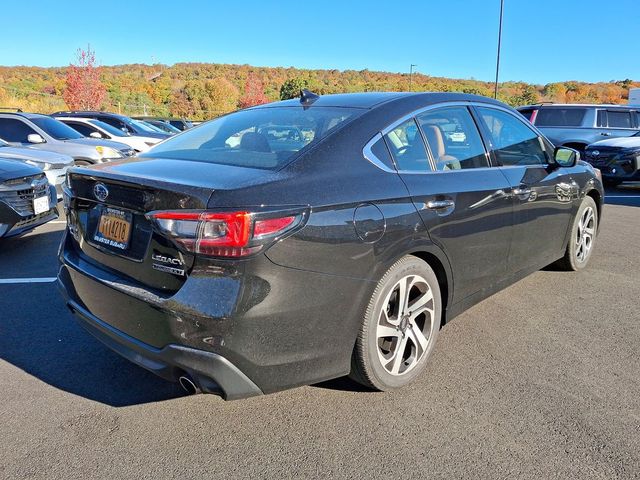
x=204 y=90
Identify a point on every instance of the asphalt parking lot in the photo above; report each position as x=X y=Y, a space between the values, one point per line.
x=539 y=381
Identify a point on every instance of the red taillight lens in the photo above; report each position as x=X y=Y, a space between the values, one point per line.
x=232 y=234
x=272 y=225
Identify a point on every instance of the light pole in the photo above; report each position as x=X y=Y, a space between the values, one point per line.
x=411 y=74
x=495 y=92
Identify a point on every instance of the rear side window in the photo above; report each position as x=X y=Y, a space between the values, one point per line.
x=619 y=119
x=560 y=117
x=453 y=138
x=13 y=130
x=265 y=137
x=513 y=142
x=407 y=148
x=381 y=152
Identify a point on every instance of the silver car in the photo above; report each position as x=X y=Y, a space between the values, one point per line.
x=46 y=133
x=54 y=165
x=578 y=125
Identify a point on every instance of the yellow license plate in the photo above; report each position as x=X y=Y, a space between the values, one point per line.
x=114 y=228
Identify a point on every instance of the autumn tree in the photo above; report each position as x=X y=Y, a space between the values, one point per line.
x=292 y=87
x=253 y=93
x=84 y=90
x=212 y=97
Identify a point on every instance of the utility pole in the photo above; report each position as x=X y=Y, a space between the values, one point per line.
x=495 y=92
x=411 y=74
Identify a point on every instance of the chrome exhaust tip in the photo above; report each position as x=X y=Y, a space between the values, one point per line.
x=188 y=385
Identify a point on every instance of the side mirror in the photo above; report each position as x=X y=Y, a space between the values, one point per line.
x=95 y=135
x=35 y=138
x=566 y=157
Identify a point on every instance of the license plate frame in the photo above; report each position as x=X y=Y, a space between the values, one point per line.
x=41 y=204
x=114 y=228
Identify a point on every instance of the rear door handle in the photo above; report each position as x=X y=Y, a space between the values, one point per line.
x=521 y=190
x=440 y=204
x=605 y=134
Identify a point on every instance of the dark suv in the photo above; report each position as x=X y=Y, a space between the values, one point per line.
x=124 y=123
x=243 y=264
x=576 y=126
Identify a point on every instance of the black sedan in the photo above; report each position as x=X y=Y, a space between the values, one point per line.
x=237 y=266
x=617 y=158
x=27 y=200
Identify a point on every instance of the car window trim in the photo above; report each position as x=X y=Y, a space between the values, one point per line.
x=371 y=158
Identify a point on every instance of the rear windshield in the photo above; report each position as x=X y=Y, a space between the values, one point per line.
x=259 y=138
x=560 y=117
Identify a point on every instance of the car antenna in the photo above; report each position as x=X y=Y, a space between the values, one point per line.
x=307 y=97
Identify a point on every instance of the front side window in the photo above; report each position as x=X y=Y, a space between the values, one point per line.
x=407 y=148
x=619 y=119
x=83 y=128
x=453 y=138
x=513 y=142
x=56 y=128
x=14 y=130
x=560 y=117
x=265 y=137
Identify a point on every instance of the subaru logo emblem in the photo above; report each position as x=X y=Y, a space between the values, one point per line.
x=100 y=191
x=595 y=153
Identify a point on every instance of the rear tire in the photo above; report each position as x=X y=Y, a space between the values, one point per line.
x=399 y=328
x=582 y=239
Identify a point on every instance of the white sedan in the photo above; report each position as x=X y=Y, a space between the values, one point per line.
x=90 y=127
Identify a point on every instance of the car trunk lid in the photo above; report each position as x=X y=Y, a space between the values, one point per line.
x=109 y=204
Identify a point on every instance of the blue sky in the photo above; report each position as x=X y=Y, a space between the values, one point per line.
x=543 y=40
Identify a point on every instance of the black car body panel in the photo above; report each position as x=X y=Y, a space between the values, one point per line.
x=289 y=315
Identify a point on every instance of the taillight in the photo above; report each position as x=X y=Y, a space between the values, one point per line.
x=225 y=234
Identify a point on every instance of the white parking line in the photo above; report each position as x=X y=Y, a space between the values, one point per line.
x=58 y=221
x=27 y=280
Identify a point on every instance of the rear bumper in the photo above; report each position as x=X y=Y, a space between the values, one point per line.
x=247 y=331
x=211 y=372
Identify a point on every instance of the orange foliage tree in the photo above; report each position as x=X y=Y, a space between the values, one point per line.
x=84 y=90
x=253 y=93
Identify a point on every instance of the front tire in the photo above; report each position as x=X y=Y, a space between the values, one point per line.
x=582 y=239
x=399 y=328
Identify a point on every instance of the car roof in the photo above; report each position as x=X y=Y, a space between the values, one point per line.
x=87 y=114
x=577 y=105
x=370 y=100
x=24 y=114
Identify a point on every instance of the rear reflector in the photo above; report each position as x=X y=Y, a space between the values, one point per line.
x=223 y=234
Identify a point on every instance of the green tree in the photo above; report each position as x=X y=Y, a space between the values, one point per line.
x=291 y=88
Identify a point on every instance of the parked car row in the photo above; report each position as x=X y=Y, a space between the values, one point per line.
x=607 y=136
x=42 y=148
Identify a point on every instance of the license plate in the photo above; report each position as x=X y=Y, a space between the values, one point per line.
x=40 y=205
x=114 y=228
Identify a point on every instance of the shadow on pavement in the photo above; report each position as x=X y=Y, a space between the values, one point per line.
x=40 y=336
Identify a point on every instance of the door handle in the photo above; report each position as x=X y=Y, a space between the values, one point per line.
x=521 y=190
x=440 y=204
x=605 y=134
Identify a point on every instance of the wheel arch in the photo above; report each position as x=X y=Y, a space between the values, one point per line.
x=597 y=198
x=443 y=274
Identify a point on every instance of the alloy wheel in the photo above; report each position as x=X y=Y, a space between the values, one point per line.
x=585 y=234
x=405 y=325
